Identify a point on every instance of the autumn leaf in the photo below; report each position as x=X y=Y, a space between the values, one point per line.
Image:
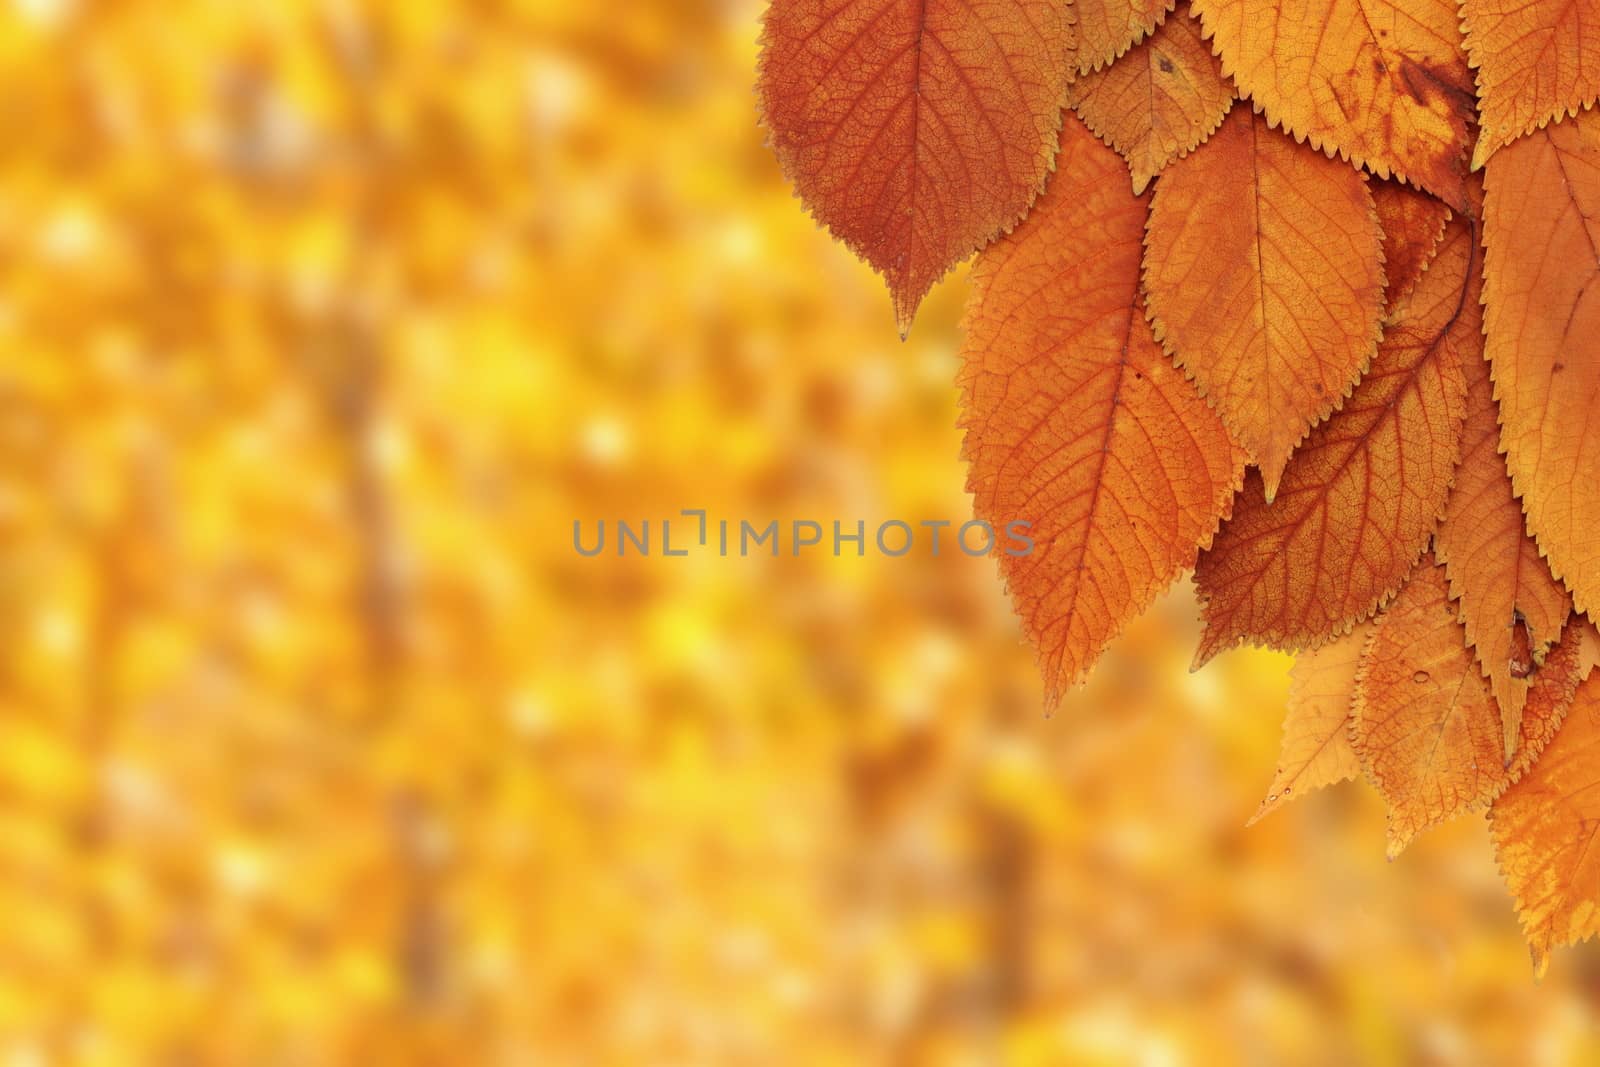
x=916 y=130
x=1159 y=101
x=1361 y=497
x=1383 y=83
x=1536 y=60
x=1542 y=335
x=1264 y=269
x=1426 y=725
x=1413 y=224
x=1108 y=28
x=1076 y=422
x=1589 y=644
x=1512 y=608
x=1544 y=833
x=1316 y=728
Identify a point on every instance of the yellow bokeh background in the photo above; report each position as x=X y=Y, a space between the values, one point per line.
x=323 y=321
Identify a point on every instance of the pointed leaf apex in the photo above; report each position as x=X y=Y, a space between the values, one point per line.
x=1482 y=151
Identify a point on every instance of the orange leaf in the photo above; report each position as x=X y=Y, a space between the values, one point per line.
x=916 y=130
x=1544 y=831
x=1412 y=225
x=1316 y=730
x=1589 y=647
x=1108 y=28
x=1159 y=101
x=1362 y=495
x=1264 y=269
x=1542 y=327
x=1384 y=84
x=1512 y=608
x=1076 y=422
x=1536 y=60
x=1425 y=723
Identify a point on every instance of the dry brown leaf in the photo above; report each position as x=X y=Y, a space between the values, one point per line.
x=1158 y=102
x=1264 y=269
x=1544 y=831
x=1362 y=495
x=1425 y=723
x=1511 y=606
x=1542 y=335
x=1413 y=225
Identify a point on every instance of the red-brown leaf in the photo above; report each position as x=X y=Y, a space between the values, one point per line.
x=916 y=130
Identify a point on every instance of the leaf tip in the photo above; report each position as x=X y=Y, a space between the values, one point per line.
x=1215 y=639
x=905 y=313
x=1268 y=806
x=1271 y=464
x=1482 y=151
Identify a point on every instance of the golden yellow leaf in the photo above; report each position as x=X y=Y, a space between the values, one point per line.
x=1264 y=269
x=1383 y=82
x=1536 y=60
x=1108 y=28
x=1159 y=101
x=1316 y=728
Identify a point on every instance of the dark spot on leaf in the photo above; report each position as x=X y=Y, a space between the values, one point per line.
x=1416 y=81
x=1422 y=81
x=1166 y=64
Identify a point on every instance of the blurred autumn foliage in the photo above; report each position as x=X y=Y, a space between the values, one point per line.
x=319 y=744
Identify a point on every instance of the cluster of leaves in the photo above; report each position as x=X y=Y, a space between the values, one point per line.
x=1325 y=362
x=320 y=746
